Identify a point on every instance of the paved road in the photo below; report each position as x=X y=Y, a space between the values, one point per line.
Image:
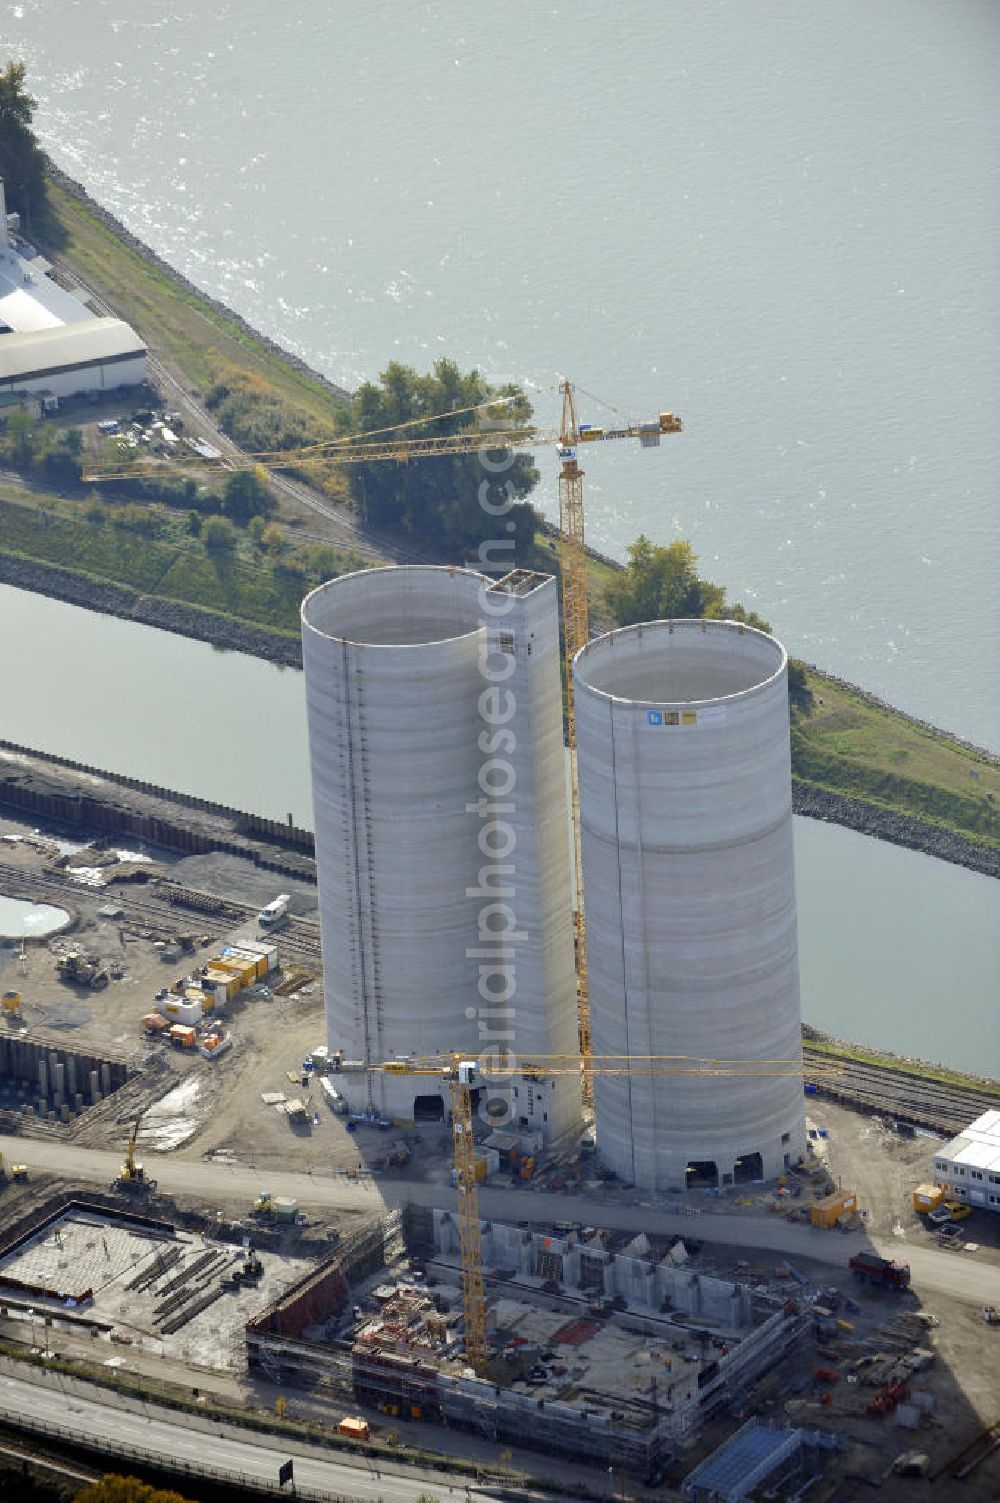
x=156 y=1432
x=974 y=1277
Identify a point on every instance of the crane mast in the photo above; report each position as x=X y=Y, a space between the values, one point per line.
x=576 y=634
x=469 y=1231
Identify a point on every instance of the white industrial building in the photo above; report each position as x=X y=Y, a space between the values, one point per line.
x=433 y=694
x=689 y=889
x=99 y=355
x=51 y=343
x=969 y=1166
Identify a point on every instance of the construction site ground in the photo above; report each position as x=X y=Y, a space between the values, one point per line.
x=193 y=1105
x=214 y=1117
x=84 y=1251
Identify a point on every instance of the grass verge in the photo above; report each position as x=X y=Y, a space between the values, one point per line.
x=915 y=1067
x=184 y=329
x=848 y=744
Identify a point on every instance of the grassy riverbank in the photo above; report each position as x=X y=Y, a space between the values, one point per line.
x=844 y=743
x=848 y=743
x=243 y=585
x=194 y=337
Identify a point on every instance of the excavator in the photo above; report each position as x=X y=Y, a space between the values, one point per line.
x=132 y=1178
x=12 y=1172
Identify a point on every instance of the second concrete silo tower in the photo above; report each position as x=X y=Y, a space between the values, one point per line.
x=685 y=788
x=439 y=794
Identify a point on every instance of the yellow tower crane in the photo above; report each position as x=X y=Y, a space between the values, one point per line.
x=576 y=634
x=463 y=1079
x=401 y=444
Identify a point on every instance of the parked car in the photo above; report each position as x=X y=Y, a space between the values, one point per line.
x=950 y=1235
x=949 y=1210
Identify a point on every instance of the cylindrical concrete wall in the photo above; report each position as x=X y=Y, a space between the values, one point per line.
x=432 y=695
x=689 y=887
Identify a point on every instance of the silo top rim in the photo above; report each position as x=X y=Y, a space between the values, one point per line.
x=410 y=605
x=681 y=661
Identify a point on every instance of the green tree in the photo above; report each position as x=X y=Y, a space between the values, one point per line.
x=440 y=501
x=246 y=494
x=319 y=561
x=255 y=528
x=799 y=691
x=662 y=583
x=22 y=163
x=273 y=539
x=218 y=534
x=22 y=441
x=59 y=453
x=113 y=1488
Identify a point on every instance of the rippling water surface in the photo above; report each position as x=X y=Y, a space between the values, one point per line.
x=780 y=221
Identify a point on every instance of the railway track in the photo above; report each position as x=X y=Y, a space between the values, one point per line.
x=346 y=531
x=879 y=1088
x=299 y=941
x=155 y=908
x=898 y=1093
x=964 y=1462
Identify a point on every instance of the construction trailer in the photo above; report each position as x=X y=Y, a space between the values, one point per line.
x=355 y=1427
x=968 y=1167
x=927 y=1198
x=828 y=1211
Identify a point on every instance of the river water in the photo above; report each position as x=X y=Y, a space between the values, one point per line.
x=775 y=219
x=897 y=949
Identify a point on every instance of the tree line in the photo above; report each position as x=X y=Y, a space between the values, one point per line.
x=22 y=161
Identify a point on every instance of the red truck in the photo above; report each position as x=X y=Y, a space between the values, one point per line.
x=869 y=1268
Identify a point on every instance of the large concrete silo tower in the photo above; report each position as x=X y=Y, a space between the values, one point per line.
x=433 y=696
x=685 y=788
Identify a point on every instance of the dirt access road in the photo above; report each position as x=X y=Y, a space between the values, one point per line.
x=957 y=1275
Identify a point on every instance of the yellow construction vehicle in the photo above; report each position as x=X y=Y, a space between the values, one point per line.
x=132 y=1176
x=14 y=1172
x=10 y=1004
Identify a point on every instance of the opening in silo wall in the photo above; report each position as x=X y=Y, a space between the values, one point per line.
x=689 y=892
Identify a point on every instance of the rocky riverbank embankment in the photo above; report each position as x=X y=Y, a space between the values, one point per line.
x=891 y=1060
x=150 y=610
x=898 y=829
